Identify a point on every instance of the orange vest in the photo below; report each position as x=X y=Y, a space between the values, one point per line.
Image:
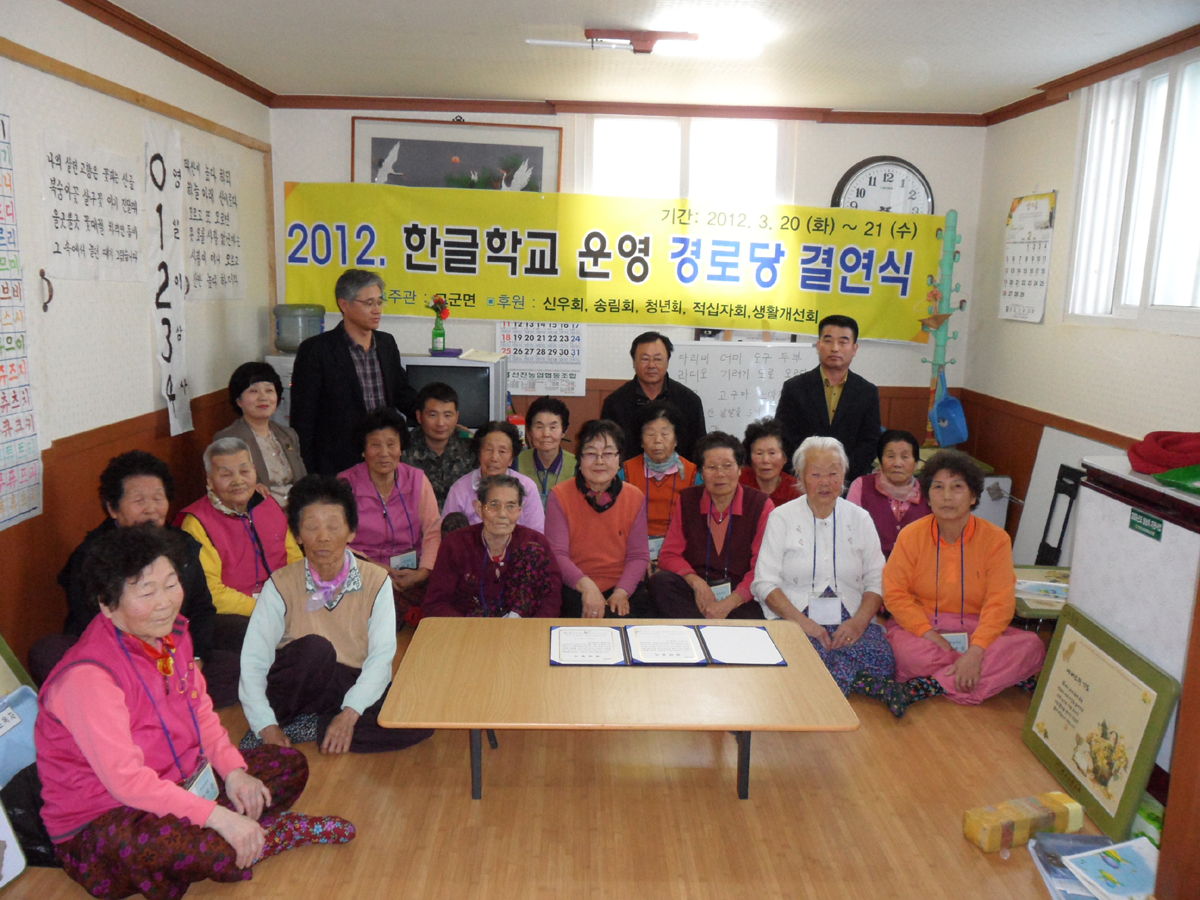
x=597 y=540
x=660 y=495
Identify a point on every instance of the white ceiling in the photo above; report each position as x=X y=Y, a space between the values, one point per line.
x=967 y=56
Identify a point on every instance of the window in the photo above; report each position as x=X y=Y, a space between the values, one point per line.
x=635 y=156
x=1137 y=235
x=732 y=161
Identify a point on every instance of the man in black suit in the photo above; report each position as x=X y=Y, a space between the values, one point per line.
x=343 y=374
x=651 y=354
x=831 y=401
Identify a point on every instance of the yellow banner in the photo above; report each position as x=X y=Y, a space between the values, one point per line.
x=614 y=260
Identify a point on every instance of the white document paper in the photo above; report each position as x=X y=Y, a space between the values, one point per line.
x=583 y=646
x=735 y=646
x=664 y=644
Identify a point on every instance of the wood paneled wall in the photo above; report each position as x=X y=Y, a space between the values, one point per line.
x=33 y=552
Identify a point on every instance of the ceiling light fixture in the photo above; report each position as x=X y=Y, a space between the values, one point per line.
x=616 y=39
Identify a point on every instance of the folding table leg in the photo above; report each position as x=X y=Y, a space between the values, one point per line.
x=476 y=763
x=743 y=777
x=492 y=739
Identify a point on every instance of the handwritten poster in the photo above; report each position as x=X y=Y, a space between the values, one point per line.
x=165 y=259
x=544 y=357
x=20 y=458
x=215 y=269
x=1027 y=237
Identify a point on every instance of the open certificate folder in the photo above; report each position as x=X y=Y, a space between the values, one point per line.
x=659 y=645
x=586 y=646
x=747 y=646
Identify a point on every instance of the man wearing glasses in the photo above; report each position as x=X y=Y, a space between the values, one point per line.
x=343 y=374
x=651 y=354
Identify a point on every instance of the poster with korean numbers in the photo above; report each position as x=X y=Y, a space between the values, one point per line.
x=544 y=357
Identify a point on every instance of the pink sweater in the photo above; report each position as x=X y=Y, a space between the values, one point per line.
x=100 y=744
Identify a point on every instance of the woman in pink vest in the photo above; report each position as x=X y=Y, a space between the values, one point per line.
x=596 y=525
x=143 y=791
x=243 y=537
x=892 y=495
x=707 y=562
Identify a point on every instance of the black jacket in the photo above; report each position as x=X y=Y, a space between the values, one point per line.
x=197 y=600
x=327 y=398
x=623 y=406
x=803 y=413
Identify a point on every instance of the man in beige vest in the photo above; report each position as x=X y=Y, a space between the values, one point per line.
x=317 y=658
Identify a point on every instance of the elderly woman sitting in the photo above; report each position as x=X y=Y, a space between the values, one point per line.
x=707 y=563
x=597 y=527
x=318 y=654
x=243 y=537
x=765 y=458
x=820 y=566
x=953 y=558
x=143 y=791
x=495 y=445
x=892 y=495
x=399 y=526
x=496 y=567
x=254 y=392
x=659 y=471
x=546 y=462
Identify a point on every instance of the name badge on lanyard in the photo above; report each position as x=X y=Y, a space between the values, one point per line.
x=721 y=589
x=656 y=544
x=405 y=560
x=825 y=608
x=203 y=782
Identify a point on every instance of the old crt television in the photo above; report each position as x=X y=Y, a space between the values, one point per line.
x=482 y=387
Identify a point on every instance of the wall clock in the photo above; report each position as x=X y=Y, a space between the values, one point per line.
x=885 y=183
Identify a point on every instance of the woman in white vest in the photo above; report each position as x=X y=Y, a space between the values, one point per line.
x=317 y=659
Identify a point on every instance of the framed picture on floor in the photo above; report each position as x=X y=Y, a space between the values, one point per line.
x=1097 y=720
x=424 y=153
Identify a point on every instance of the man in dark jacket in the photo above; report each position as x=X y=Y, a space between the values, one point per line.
x=831 y=401
x=651 y=354
x=343 y=374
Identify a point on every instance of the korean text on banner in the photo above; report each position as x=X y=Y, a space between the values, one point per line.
x=581 y=258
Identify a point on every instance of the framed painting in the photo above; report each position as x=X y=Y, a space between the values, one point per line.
x=424 y=153
x=1097 y=720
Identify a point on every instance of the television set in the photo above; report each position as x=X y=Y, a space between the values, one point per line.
x=482 y=387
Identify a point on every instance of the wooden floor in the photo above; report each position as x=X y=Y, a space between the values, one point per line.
x=871 y=814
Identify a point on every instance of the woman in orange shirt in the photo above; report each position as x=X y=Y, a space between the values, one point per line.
x=659 y=472
x=949 y=585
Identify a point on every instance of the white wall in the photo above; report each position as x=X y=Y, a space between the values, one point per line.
x=1119 y=379
x=93 y=352
x=314 y=145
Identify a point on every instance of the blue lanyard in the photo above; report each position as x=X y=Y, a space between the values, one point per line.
x=487 y=557
x=555 y=469
x=962 y=577
x=724 y=545
x=178 y=762
x=260 y=552
x=412 y=535
x=674 y=476
x=814 y=568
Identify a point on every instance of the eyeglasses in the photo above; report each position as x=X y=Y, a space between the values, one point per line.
x=370 y=304
x=607 y=456
x=496 y=506
x=723 y=469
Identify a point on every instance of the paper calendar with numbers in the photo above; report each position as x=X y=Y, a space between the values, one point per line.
x=1027 y=257
x=544 y=357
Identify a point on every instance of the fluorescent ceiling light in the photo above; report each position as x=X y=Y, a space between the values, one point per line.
x=588 y=45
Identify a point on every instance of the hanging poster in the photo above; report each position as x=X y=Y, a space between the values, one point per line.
x=165 y=259
x=544 y=357
x=523 y=256
x=20 y=455
x=92 y=208
x=215 y=269
x=1027 y=237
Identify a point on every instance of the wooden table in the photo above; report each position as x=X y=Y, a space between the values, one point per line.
x=484 y=674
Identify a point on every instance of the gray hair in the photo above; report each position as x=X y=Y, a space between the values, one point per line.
x=352 y=281
x=500 y=481
x=223 y=447
x=818 y=444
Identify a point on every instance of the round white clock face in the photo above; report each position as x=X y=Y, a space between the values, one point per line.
x=884 y=183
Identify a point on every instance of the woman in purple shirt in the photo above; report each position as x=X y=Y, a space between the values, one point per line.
x=892 y=495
